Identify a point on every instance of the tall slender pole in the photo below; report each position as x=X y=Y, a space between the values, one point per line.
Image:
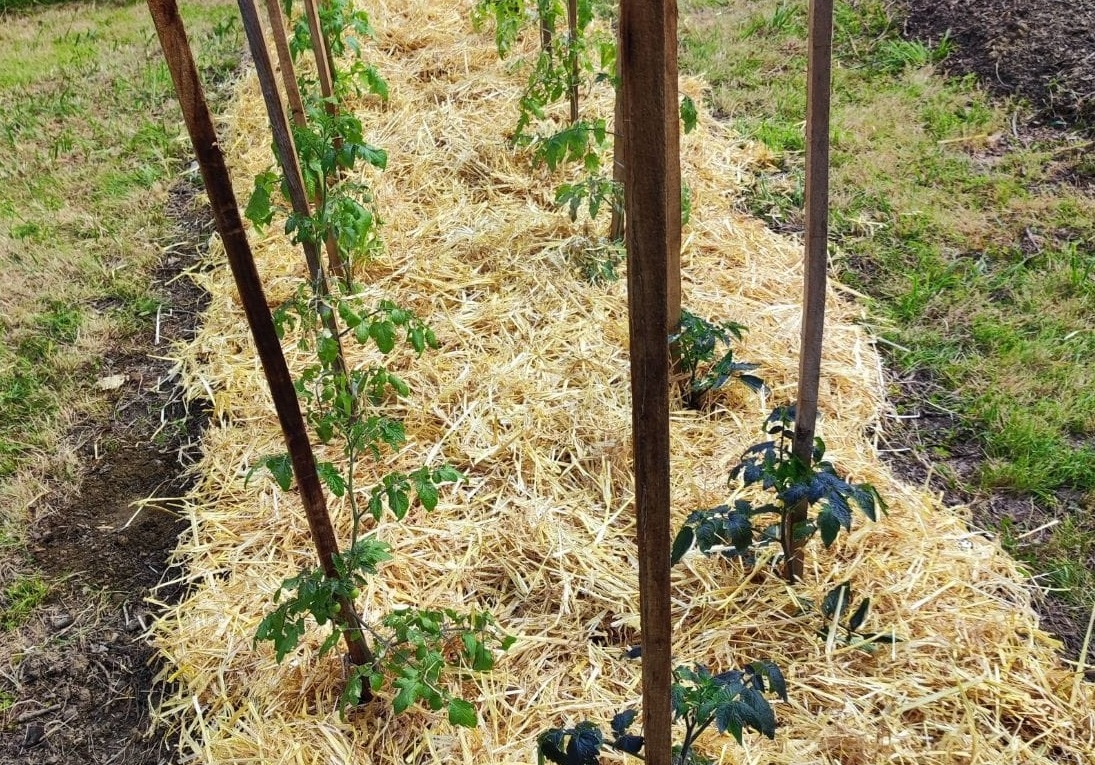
x=296 y=103
x=819 y=72
x=287 y=157
x=285 y=62
x=325 y=69
x=218 y=186
x=648 y=60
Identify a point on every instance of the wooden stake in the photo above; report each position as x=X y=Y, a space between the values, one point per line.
x=648 y=60
x=325 y=68
x=819 y=72
x=290 y=164
x=619 y=152
x=218 y=186
x=285 y=63
x=296 y=104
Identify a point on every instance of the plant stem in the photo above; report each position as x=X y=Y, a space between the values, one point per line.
x=222 y=199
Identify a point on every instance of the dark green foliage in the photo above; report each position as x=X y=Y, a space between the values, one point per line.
x=696 y=344
x=843 y=624
x=732 y=701
x=730 y=531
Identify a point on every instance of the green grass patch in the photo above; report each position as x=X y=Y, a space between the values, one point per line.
x=979 y=263
x=90 y=139
x=19 y=599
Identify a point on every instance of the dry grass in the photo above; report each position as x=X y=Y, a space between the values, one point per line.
x=529 y=397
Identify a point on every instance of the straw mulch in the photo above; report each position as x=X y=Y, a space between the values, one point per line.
x=529 y=397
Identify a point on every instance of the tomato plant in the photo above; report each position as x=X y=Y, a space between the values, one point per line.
x=409 y=651
x=729 y=529
x=733 y=701
x=696 y=343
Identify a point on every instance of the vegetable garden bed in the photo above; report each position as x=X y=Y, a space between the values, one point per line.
x=528 y=397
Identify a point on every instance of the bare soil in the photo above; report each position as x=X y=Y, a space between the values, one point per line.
x=1039 y=50
x=86 y=673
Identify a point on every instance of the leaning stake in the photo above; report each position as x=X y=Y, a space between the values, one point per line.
x=218 y=186
x=819 y=69
x=290 y=165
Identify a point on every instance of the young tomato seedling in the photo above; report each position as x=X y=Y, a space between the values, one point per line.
x=729 y=530
x=732 y=701
x=696 y=343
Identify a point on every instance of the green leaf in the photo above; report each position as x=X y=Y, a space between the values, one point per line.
x=348 y=315
x=860 y=615
x=462 y=713
x=427 y=494
x=281 y=467
x=260 y=210
x=837 y=598
x=408 y=687
x=682 y=544
x=689 y=116
x=398 y=502
x=329 y=474
x=828 y=525
x=383 y=334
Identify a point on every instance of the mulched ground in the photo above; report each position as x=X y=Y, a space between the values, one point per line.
x=1040 y=50
x=91 y=688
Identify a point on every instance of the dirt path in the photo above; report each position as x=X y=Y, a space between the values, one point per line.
x=83 y=683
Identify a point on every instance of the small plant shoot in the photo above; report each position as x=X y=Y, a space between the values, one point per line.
x=841 y=624
x=697 y=344
x=732 y=701
x=731 y=530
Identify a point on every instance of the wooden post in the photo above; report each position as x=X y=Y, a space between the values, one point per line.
x=572 y=59
x=619 y=152
x=819 y=71
x=296 y=103
x=285 y=61
x=547 y=29
x=648 y=60
x=325 y=70
x=290 y=164
x=218 y=186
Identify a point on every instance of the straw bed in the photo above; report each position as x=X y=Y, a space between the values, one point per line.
x=529 y=397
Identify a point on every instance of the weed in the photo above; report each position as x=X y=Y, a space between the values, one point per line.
x=19 y=599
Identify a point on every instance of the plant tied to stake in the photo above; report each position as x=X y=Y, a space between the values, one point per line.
x=412 y=651
x=729 y=530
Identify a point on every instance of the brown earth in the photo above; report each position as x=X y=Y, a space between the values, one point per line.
x=84 y=678
x=1040 y=50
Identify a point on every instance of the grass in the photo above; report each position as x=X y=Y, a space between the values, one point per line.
x=19 y=599
x=90 y=141
x=978 y=260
